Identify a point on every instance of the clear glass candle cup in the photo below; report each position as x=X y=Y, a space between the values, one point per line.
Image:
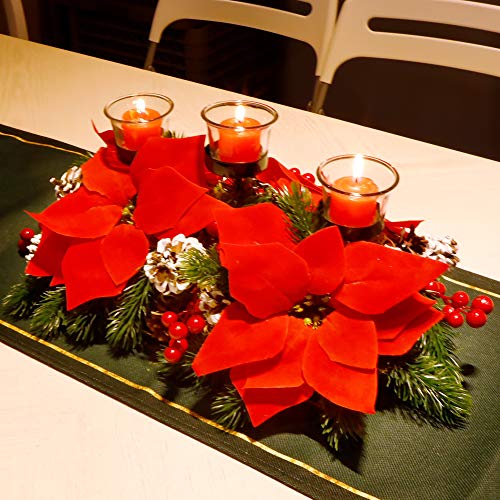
x=135 y=118
x=238 y=137
x=355 y=193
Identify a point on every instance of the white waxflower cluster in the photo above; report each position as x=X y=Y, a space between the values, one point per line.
x=162 y=265
x=212 y=302
x=70 y=181
x=32 y=247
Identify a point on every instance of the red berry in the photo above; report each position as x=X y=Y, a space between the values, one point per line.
x=178 y=330
x=172 y=355
x=436 y=286
x=460 y=299
x=179 y=344
x=295 y=171
x=454 y=319
x=26 y=234
x=195 y=307
x=168 y=318
x=476 y=318
x=195 y=323
x=448 y=310
x=22 y=246
x=309 y=177
x=484 y=303
x=212 y=229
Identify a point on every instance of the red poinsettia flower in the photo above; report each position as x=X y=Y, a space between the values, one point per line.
x=93 y=244
x=276 y=361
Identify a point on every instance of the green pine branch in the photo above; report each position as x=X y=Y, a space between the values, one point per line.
x=339 y=425
x=127 y=320
x=204 y=269
x=431 y=384
x=22 y=298
x=87 y=323
x=228 y=409
x=298 y=205
x=49 y=318
x=181 y=373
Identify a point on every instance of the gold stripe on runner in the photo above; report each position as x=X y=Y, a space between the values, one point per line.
x=43 y=144
x=472 y=287
x=153 y=393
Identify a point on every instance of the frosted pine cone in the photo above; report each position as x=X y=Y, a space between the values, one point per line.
x=162 y=265
x=212 y=302
x=444 y=250
x=70 y=181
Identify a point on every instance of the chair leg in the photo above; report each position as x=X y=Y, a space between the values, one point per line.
x=148 y=64
x=320 y=92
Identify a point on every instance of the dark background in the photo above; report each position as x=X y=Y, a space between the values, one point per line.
x=451 y=108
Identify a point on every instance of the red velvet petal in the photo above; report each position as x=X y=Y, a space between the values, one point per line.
x=48 y=256
x=392 y=322
x=85 y=276
x=352 y=342
x=117 y=186
x=283 y=370
x=164 y=196
x=81 y=215
x=262 y=404
x=267 y=279
x=197 y=217
x=124 y=252
x=239 y=338
x=185 y=155
x=324 y=253
x=352 y=388
x=407 y=338
x=377 y=277
x=262 y=223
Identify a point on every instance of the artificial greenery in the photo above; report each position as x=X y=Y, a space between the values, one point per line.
x=23 y=297
x=298 y=204
x=432 y=383
x=49 y=318
x=127 y=320
x=339 y=425
x=203 y=269
x=228 y=409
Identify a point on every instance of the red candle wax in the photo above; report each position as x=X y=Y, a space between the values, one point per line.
x=239 y=144
x=353 y=210
x=142 y=123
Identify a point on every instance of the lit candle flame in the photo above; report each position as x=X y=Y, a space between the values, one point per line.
x=239 y=113
x=357 y=167
x=140 y=106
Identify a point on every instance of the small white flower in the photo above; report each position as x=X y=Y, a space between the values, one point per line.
x=33 y=246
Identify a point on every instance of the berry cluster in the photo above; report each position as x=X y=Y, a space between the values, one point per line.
x=457 y=306
x=307 y=176
x=179 y=326
x=25 y=236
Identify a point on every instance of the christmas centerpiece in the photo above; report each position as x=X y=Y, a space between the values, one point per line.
x=249 y=282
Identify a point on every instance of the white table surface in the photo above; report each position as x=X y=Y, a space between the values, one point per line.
x=63 y=440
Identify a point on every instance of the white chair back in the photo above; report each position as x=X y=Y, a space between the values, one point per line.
x=353 y=37
x=16 y=20
x=315 y=28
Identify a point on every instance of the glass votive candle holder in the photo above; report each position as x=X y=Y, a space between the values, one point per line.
x=136 y=118
x=238 y=137
x=355 y=193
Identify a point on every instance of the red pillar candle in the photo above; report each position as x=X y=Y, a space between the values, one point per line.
x=139 y=125
x=239 y=141
x=354 y=209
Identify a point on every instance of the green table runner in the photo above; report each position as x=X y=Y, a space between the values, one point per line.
x=400 y=458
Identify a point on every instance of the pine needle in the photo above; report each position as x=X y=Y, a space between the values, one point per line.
x=49 y=317
x=22 y=297
x=128 y=319
x=298 y=205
